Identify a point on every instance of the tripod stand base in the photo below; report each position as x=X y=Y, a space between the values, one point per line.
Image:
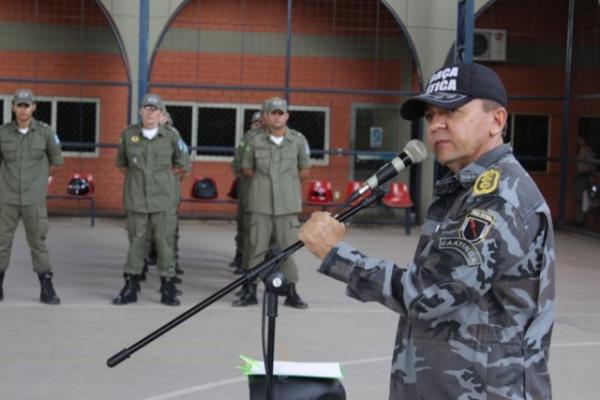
x=295 y=388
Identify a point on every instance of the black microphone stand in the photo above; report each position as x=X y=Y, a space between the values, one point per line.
x=265 y=268
x=275 y=284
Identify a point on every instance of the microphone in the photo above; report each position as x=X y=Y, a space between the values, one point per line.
x=414 y=152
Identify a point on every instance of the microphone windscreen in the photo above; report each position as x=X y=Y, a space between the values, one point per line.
x=416 y=151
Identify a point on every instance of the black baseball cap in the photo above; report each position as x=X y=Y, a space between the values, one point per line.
x=454 y=86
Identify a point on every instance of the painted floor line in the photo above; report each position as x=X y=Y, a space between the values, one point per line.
x=207 y=386
x=199 y=388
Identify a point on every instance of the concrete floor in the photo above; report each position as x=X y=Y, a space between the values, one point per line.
x=60 y=352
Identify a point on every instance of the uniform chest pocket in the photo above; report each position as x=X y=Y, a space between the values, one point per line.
x=263 y=159
x=135 y=156
x=9 y=150
x=37 y=152
x=289 y=154
x=289 y=160
x=163 y=158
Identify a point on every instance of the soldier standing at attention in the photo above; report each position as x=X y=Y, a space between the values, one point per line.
x=477 y=303
x=242 y=219
x=276 y=159
x=29 y=153
x=152 y=158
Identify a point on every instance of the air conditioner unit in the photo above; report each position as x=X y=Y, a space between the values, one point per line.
x=489 y=45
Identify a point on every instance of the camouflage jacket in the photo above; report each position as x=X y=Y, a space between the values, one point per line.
x=477 y=303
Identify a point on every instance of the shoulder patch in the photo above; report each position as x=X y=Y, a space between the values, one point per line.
x=182 y=146
x=463 y=247
x=135 y=139
x=476 y=225
x=486 y=182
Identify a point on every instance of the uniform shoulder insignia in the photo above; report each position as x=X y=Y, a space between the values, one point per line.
x=486 y=182
x=476 y=225
x=135 y=139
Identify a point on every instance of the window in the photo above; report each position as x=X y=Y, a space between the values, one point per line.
x=76 y=123
x=589 y=127
x=313 y=125
x=529 y=136
x=43 y=111
x=182 y=121
x=214 y=129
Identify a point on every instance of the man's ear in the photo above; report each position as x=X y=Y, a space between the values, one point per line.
x=499 y=118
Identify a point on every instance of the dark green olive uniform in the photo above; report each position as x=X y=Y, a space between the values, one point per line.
x=275 y=198
x=150 y=245
x=24 y=164
x=242 y=237
x=150 y=194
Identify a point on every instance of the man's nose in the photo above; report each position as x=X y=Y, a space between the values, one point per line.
x=438 y=120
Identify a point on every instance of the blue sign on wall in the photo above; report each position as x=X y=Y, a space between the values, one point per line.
x=376 y=137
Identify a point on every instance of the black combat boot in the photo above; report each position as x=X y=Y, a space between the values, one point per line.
x=240 y=270
x=247 y=297
x=163 y=280
x=293 y=299
x=237 y=261
x=1 y=280
x=47 y=293
x=168 y=292
x=129 y=292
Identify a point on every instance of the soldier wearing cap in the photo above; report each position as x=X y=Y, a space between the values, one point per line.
x=242 y=237
x=477 y=303
x=151 y=254
x=29 y=153
x=275 y=159
x=152 y=158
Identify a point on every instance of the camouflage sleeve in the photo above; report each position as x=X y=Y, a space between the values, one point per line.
x=248 y=154
x=122 y=152
x=460 y=263
x=53 y=149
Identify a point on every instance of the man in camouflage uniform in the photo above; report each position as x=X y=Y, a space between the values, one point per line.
x=477 y=302
x=29 y=153
x=276 y=159
x=242 y=237
x=152 y=158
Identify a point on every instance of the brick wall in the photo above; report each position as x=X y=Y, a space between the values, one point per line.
x=33 y=69
x=352 y=18
x=540 y=27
